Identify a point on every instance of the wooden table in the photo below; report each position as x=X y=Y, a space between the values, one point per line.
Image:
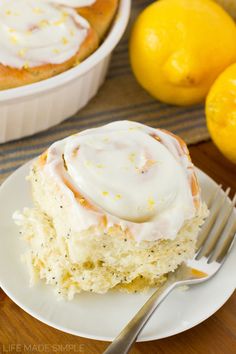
x=217 y=335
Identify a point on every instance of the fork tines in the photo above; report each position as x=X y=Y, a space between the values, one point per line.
x=218 y=232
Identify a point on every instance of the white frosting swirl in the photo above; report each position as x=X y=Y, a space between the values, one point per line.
x=127 y=175
x=36 y=32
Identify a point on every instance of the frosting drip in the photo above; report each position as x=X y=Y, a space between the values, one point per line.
x=36 y=32
x=136 y=176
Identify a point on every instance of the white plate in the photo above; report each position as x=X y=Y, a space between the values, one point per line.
x=101 y=316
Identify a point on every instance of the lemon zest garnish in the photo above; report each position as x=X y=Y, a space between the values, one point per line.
x=62 y=20
x=56 y=51
x=132 y=157
x=151 y=203
x=14 y=39
x=26 y=65
x=43 y=23
x=22 y=52
x=64 y=40
x=59 y=22
x=100 y=165
x=150 y=162
x=37 y=10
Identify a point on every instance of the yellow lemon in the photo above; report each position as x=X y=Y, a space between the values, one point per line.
x=221 y=112
x=179 y=47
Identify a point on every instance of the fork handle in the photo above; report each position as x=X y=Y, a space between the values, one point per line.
x=123 y=342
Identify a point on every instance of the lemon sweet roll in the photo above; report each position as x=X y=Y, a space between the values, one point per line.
x=115 y=207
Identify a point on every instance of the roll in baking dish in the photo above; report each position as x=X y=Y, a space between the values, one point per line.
x=41 y=40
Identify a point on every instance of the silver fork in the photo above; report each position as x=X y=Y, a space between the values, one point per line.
x=213 y=246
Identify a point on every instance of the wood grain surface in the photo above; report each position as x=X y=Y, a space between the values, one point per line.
x=21 y=333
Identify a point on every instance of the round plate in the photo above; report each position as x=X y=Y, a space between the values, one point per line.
x=101 y=316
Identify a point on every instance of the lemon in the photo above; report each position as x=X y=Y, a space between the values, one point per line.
x=179 y=47
x=221 y=112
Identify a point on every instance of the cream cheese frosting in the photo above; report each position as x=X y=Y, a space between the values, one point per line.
x=37 y=32
x=135 y=176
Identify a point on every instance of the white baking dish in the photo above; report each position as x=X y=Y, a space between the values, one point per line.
x=29 y=109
